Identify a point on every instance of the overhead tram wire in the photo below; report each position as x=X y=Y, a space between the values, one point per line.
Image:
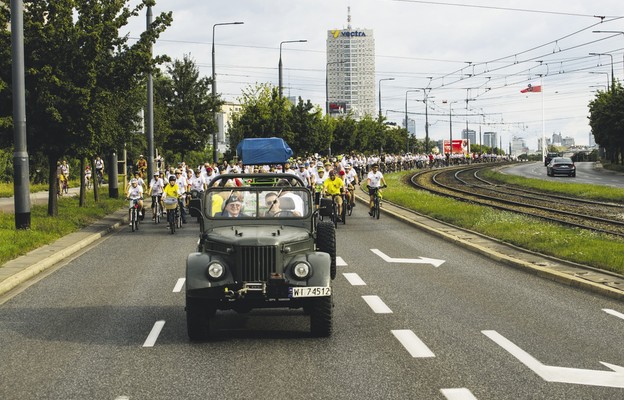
x=440 y=3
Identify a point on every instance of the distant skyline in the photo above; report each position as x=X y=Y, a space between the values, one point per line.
x=486 y=51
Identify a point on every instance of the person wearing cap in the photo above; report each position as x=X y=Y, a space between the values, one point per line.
x=304 y=175
x=182 y=184
x=233 y=206
x=319 y=180
x=351 y=181
x=171 y=190
x=374 y=180
x=334 y=187
x=135 y=192
x=156 y=187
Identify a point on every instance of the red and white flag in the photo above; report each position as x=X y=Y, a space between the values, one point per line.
x=531 y=88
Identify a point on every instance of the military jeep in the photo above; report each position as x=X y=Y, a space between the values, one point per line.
x=260 y=246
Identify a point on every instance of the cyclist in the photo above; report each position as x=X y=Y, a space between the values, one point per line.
x=182 y=184
x=99 y=169
x=319 y=182
x=374 y=181
x=156 y=190
x=141 y=166
x=351 y=181
x=334 y=187
x=171 y=190
x=135 y=192
x=88 y=176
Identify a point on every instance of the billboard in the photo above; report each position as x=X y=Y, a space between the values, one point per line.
x=337 y=107
x=460 y=146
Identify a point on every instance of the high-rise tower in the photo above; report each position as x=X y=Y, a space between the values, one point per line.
x=351 y=70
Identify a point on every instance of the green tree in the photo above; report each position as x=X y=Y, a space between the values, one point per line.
x=308 y=128
x=78 y=70
x=607 y=122
x=190 y=107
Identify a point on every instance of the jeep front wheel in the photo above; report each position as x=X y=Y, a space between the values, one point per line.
x=197 y=318
x=321 y=316
x=326 y=242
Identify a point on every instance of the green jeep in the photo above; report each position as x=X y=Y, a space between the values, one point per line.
x=260 y=246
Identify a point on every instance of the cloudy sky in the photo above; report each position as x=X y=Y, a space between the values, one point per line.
x=483 y=50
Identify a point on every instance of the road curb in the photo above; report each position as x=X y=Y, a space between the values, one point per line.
x=527 y=266
x=83 y=240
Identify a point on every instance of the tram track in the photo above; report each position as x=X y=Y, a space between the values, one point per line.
x=463 y=183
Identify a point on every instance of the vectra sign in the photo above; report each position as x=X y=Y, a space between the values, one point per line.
x=338 y=32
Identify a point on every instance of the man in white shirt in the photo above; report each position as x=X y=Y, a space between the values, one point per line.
x=374 y=181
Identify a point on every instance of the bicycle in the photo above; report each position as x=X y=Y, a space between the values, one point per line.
x=351 y=203
x=99 y=176
x=133 y=216
x=173 y=215
x=156 y=209
x=334 y=210
x=376 y=201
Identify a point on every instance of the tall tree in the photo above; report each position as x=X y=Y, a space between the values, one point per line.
x=307 y=125
x=607 y=122
x=190 y=108
x=78 y=69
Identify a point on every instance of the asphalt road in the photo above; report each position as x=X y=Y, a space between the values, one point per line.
x=83 y=332
x=586 y=172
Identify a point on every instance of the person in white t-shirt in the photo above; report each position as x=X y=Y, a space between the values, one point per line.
x=135 y=192
x=374 y=180
x=155 y=190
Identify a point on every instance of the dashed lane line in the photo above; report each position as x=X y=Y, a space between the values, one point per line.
x=153 y=336
x=458 y=394
x=354 y=279
x=377 y=305
x=613 y=312
x=416 y=347
x=179 y=285
x=340 y=262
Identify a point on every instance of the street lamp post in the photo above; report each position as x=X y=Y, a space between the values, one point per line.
x=215 y=157
x=382 y=79
x=280 y=62
x=450 y=153
x=612 y=76
x=618 y=32
x=606 y=73
x=406 y=125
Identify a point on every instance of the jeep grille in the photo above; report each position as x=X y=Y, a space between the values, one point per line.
x=258 y=263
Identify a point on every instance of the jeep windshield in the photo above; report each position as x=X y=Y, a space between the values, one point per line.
x=257 y=202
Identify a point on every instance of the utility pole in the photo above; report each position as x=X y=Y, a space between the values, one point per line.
x=150 y=110
x=21 y=181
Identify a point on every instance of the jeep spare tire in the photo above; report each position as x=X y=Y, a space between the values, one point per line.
x=326 y=242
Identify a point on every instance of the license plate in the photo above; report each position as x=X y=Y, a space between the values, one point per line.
x=310 y=291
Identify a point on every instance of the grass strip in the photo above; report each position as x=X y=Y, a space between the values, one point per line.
x=573 y=244
x=44 y=229
x=6 y=188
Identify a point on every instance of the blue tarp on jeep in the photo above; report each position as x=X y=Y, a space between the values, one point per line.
x=260 y=151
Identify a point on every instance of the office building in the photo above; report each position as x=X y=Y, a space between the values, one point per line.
x=351 y=71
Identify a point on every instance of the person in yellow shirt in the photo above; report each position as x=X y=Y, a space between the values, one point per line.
x=334 y=187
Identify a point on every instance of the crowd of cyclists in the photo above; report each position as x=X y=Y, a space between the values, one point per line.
x=328 y=177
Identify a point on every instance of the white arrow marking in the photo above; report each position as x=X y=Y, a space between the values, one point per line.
x=153 y=336
x=613 y=312
x=340 y=262
x=614 y=378
x=458 y=394
x=412 y=343
x=179 y=285
x=354 y=279
x=420 y=260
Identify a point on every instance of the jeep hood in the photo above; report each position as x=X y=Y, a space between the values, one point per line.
x=258 y=235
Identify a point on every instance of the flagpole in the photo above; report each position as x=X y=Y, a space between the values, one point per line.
x=544 y=147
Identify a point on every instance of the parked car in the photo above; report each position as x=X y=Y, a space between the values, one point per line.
x=561 y=166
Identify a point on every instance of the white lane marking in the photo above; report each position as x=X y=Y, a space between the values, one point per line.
x=613 y=312
x=179 y=284
x=421 y=260
x=412 y=343
x=378 y=306
x=340 y=262
x=354 y=279
x=153 y=336
x=458 y=394
x=122 y=398
x=550 y=373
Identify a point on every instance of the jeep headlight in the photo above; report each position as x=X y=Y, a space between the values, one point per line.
x=301 y=270
x=216 y=270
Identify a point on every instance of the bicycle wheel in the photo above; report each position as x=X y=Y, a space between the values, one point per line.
x=171 y=219
x=377 y=208
x=334 y=214
x=131 y=218
x=343 y=213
